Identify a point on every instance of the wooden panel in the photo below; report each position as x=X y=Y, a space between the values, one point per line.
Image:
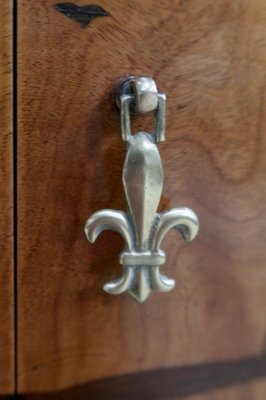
x=6 y=201
x=210 y=59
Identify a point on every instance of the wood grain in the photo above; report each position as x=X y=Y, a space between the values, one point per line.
x=6 y=201
x=210 y=59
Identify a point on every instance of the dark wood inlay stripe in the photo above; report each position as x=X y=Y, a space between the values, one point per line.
x=178 y=382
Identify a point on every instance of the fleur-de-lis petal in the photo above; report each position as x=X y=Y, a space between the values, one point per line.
x=143 y=182
x=109 y=220
x=186 y=222
x=183 y=219
x=122 y=284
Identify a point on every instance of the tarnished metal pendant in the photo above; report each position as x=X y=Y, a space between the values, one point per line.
x=142 y=227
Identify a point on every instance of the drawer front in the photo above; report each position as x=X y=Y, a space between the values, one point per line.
x=206 y=338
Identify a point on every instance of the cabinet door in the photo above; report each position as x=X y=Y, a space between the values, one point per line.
x=6 y=203
x=206 y=338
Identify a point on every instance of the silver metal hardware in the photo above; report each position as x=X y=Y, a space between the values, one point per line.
x=142 y=228
x=143 y=91
x=141 y=95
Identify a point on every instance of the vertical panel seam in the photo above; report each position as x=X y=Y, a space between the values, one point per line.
x=15 y=198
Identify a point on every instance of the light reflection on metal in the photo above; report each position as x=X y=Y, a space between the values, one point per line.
x=142 y=228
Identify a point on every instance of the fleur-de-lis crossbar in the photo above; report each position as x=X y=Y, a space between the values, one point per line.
x=142 y=228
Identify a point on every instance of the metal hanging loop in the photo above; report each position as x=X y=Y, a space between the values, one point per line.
x=141 y=96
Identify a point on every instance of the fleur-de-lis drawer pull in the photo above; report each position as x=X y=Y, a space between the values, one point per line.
x=142 y=228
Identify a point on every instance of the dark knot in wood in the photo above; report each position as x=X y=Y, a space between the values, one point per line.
x=81 y=14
